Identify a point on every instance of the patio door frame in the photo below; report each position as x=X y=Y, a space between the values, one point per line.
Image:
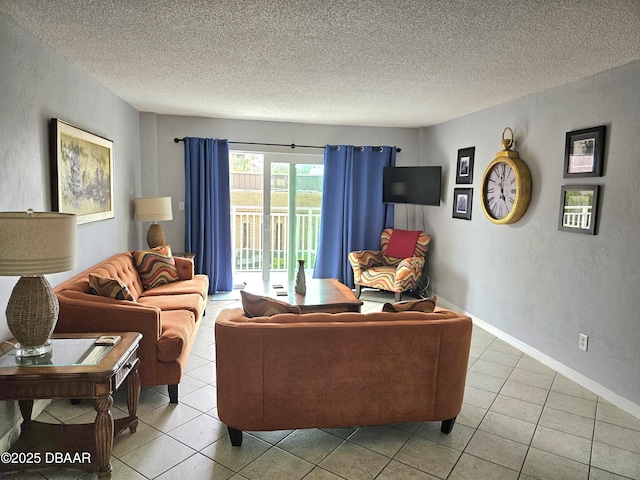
x=293 y=159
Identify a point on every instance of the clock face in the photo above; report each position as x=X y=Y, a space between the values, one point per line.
x=500 y=190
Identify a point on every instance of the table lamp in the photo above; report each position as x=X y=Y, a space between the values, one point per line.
x=155 y=209
x=32 y=244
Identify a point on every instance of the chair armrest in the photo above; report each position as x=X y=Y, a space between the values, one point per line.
x=362 y=260
x=408 y=270
x=185 y=268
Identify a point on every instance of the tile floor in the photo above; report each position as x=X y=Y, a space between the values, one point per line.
x=520 y=420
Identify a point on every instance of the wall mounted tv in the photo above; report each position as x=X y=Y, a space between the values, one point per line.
x=415 y=185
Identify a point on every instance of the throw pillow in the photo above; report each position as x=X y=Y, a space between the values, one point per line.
x=258 y=306
x=402 y=243
x=156 y=266
x=109 y=287
x=426 y=305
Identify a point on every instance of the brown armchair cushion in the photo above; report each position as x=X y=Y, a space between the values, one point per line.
x=426 y=305
x=109 y=287
x=258 y=306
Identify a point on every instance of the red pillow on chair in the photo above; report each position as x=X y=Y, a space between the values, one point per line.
x=402 y=243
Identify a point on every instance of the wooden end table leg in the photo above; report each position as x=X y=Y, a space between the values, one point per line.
x=26 y=409
x=133 y=396
x=104 y=434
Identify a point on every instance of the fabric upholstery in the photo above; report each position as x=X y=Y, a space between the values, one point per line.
x=109 y=287
x=402 y=243
x=259 y=306
x=156 y=266
x=425 y=305
x=375 y=269
x=168 y=322
x=338 y=370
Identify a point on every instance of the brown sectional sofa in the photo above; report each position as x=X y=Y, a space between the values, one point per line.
x=168 y=316
x=336 y=370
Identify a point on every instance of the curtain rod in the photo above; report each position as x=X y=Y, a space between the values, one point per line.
x=293 y=145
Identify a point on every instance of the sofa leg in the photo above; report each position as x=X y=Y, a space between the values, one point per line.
x=236 y=436
x=173 y=392
x=358 y=287
x=447 y=425
x=398 y=297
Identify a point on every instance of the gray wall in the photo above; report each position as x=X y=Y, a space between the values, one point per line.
x=37 y=84
x=163 y=160
x=531 y=281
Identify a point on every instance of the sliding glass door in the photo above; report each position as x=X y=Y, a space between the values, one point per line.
x=275 y=214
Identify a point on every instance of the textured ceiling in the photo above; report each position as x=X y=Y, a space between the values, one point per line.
x=405 y=63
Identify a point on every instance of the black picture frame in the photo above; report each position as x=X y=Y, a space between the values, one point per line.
x=462 y=203
x=579 y=209
x=464 y=169
x=584 y=152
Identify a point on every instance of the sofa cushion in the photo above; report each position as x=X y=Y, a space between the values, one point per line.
x=425 y=305
x=109 y=287
x=156 y=266
x=198 y=284
x=186 y=301
x=259 y=306
x=177 y=328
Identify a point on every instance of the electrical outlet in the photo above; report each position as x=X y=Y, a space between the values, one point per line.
x=583 y=342
x=180 y=205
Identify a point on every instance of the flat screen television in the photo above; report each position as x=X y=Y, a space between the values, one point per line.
x=415 y=185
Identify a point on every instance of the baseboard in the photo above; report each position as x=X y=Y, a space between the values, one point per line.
x=610 y=396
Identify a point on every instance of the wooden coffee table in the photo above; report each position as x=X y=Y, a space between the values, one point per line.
x=323 y=295
x=75 y=369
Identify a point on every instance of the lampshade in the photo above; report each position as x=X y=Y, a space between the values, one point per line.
x=32 y=244
x=35 y=243
x=155 y=209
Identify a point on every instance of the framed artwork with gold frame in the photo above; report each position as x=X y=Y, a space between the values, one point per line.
x=81 y=173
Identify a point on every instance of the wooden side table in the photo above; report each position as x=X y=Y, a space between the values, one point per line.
x=77 y=368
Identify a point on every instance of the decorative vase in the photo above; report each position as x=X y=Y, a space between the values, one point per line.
x=301 y=282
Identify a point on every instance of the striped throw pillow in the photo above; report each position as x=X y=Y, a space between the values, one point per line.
x=109 y=287
x=257 y=306
x=156 y=266
x=426 y=305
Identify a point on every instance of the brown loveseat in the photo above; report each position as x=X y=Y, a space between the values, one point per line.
x=336 y=370
x=168 y=316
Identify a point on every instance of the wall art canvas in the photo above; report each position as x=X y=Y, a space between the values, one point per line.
x=81 y=173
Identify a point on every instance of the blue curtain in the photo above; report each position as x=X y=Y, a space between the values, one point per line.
x=208 y=209
x=353 y=214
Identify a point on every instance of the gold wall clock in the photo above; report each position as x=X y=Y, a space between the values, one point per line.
x=506 y=185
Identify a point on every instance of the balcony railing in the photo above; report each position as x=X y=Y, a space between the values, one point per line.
x=247 y=236
x=577 y=216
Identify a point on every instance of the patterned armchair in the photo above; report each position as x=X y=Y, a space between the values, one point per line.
x=376 y=269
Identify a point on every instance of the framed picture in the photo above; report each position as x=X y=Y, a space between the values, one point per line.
x=81 y=173
x=584 y=152
x=464 y=172
x=579 y=208
x=462 y=203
